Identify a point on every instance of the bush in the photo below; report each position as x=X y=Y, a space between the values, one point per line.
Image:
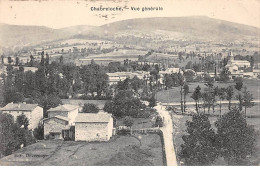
x=128 y=121
x=90 y=108
x=158 y=122
x=124 y=132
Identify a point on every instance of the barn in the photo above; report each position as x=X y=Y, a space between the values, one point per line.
x=93 y=126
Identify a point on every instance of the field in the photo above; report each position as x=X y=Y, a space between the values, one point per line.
x=135 y=150
x=173 y=95
x=115 y=56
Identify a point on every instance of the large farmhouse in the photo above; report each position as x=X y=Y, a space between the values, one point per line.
x=93 y=127
x=33 y=112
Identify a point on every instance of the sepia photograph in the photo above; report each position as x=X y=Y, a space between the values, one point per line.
x=129 y=83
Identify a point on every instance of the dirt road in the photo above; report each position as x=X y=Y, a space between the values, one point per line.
x=167 y=130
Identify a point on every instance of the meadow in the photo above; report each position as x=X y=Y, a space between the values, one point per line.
x=137 y=150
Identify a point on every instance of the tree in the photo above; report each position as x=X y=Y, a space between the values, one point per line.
x=200 y=146
x=17 y=62
x=6 y=134
x=185 y=92
x=94 y=79
x=189 y=75
x=168 y=81
x=196 y=95
x=239 y=83
x=238 y=86
x=209 y=99
x=31 y=60
x=2 y=58
x=38 y=132
x=181 y=83
x=90 y=108
x=247 y=99
x=61 y=59
x=229 y=95
x=124 y=85
x=222 y=95
x=252 y=61
x=42 y=59
x=124 y=104
x=11 y=96
x=12 y=136
x=22 y=120
x=152 y=101
x=9 y=60
x=47 y=102
x=136 y=83
x=158 y=122
x=128 y=121
x=224 y=74
x=237 y=139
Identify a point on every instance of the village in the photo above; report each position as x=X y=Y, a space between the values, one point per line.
x=82 y=112
x=151 y=83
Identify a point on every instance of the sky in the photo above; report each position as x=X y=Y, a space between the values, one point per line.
x=61 y=13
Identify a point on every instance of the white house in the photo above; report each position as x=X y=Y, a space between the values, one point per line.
x=114 y=78
x=93 y=126
x=235 y=65
x=67 y=110
x=33 y=112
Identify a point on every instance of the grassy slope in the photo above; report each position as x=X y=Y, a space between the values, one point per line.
x=125 y=150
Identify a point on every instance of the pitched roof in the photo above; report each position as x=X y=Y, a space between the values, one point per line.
x=19 y=107
x=65 y=107
x=58 y=117
x=93 y=117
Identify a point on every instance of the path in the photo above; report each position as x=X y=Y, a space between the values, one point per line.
x=193 y=103
x=167 y=130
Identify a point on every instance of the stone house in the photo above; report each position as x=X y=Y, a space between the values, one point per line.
x=93 y=127
x=60 y=122
x=57 y=127
x=66 y=110
x=33 y=112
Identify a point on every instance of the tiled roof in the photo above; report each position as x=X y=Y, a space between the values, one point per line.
x=65 y=107
x=58 y=117
x=93 y=117
x=19 y=107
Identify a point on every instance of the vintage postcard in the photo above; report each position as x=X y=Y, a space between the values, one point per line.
x=129 y=83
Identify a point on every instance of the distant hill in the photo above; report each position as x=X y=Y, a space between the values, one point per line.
x=198 y=27
x=19 y=35
x=174 y=28
x=80 y=29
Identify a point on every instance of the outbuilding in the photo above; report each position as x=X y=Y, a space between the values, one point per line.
x=93 y=127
